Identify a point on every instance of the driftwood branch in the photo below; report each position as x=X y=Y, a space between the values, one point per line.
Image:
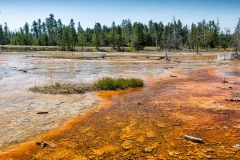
x=193 y=139
x=44 y=144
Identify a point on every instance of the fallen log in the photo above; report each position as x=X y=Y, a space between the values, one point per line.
x=172 y=76
x=42 y=112
x=235 y=56
x=193 y=139
x=231 y=99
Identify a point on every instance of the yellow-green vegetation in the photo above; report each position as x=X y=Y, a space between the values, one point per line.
x=116 y=84
x=102 y=84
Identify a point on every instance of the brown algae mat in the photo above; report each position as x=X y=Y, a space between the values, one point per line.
x=150 y=122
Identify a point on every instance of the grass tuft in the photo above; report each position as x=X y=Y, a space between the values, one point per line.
x=102 y=84
x=64 y=88
x=108 y=83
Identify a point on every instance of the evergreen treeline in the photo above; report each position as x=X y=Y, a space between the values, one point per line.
x=174 y=35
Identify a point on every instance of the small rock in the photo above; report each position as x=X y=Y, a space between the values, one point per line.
x=147 y=150
x=24 y=71
x=216 y=104
x=236 y=146
x=150 y=134
x=127 y=145
x=108 y=118
x=225 y=127
x=26 y=119
x=224 y=81
x=176 y=124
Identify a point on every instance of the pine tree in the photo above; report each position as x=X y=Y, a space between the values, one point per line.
x=104 y=36
x=51 y=25
x=6 y=34
x=89 y=36
x=81 y=36
x=151 y=32
x=166 y=36
x=138 y=38
x=39 y=27
x=26 y=34
x=1 y=35
x=96 y=38
x=73 y=35
x=60 y=35
x=113 y=35
x=119 y=39
x=35 y=29
x=43 y=38
x=67 y=37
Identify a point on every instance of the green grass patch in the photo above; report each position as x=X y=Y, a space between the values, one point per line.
x=117 y=84
x=102 y=84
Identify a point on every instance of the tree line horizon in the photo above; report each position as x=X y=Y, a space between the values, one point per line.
x=174 y=35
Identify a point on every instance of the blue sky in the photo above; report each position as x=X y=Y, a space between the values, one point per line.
x=17 y=12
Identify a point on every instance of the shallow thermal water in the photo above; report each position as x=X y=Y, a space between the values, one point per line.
x=20 y=71
x=150 y=122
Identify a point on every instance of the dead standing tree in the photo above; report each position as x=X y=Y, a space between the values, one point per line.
x=156 y=39
x=175 y=34
x=168 y=45
x=237 y=36
x=189 y=41
x=204 y=37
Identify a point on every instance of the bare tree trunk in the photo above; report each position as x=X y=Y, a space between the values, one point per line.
x=238 y=38
x=175 y=32
x=156 y=42
x=189 y=42
x=166 y=56
x=197 y=47
x=204 y=39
